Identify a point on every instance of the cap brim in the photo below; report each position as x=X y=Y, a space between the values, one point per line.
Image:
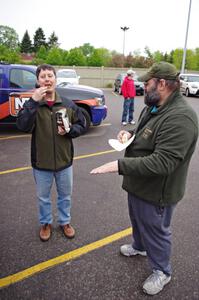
x=144 y=77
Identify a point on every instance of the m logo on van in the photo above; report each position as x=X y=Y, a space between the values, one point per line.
x=17 y=101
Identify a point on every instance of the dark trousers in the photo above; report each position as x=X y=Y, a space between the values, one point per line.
x=151 y=231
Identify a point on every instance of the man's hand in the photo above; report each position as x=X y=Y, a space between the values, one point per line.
x=39 y=93
x=123 y=135
x=107 y=168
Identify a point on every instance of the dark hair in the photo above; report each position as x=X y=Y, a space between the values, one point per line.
x=45 y=67
x=172 y=85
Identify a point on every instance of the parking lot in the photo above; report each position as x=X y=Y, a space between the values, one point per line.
x=89 y=266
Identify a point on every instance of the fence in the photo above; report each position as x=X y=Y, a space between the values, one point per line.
x=99 y=77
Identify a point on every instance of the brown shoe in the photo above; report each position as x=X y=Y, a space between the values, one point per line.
x=45 y=232
x=68 y=231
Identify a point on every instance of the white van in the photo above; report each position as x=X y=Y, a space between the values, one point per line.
x=189 y=84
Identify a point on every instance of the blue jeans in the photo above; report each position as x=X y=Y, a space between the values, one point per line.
x=44 y=181
x=128 y=109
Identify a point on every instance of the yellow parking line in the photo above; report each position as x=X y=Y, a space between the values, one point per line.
x=75 y=158
x=14 y=137
x=63 y=258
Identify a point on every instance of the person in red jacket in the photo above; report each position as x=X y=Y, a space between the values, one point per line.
x=129 y=92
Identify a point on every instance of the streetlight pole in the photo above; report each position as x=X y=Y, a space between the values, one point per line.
x=185 y=45
x=124 y=29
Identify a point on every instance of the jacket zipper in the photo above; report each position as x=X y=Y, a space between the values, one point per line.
x=53 y=133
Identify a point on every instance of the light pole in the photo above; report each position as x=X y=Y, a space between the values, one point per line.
x=124 y=29
x=185 y=45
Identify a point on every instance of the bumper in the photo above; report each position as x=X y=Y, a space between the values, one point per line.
x=99 y=113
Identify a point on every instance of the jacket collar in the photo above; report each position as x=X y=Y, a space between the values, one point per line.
x=166 y=105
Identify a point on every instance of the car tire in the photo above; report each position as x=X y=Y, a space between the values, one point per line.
x=87 y=117
x=187 y=93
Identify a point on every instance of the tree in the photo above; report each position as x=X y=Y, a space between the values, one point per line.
x=158 y=56
x=191 y=63
x=9 y=37
x=9 y=55
x=148 y=52
x=87 y=49
x=76 y=57
x=99 y=57
x=26 y=44
x=197 y=58
x=177 y=58
x=54 y=56
x=39 y=39
x=116 y=60
x=42 y=53
x=53 y=41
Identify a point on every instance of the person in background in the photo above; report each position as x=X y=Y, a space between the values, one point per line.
x=53 y=122
x=155 y=169
x=129 y=92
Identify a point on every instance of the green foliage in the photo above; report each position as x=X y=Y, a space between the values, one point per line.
x=26 y=44
x=9 y=55
x=39 y=39
x=86 y=54
x=177 y=58
x=99 y=57
x=9 y=37
x=64 y=54
x=109 y=85
x=87 y=49
x=52 y=41
x=158 y=56
x=54 y=56
x=76 y=57
x=42 y=53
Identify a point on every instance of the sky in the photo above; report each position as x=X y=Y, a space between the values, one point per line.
x=158 y=24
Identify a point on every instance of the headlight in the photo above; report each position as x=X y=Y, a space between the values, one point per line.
x=100 y=101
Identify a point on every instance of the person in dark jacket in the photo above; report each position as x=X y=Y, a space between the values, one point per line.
x=155 y=169
x=129 y=92
x=53 y=123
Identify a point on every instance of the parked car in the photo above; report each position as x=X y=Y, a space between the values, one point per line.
x=67 y=76
x=17 y=83
x=119 y=80
x=189 y=84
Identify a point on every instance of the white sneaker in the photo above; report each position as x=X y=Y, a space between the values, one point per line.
x=128 y=250
x=132 y=122
x=124 y=123
x=155 y=282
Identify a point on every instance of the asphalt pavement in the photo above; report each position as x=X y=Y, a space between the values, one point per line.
x=88 y=267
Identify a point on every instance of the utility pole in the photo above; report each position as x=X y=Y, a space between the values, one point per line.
x=185 y=45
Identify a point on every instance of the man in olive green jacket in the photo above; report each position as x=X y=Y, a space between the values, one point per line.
x=155 y=168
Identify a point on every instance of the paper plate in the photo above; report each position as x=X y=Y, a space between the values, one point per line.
x=115 y=144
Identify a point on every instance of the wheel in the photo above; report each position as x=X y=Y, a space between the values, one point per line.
x=187 y=93
x=87 y=117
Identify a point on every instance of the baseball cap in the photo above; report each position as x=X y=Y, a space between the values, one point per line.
x=130 y=72
x=161 y=70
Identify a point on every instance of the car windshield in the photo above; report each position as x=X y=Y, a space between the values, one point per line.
x=66 y=74
x=193 y=78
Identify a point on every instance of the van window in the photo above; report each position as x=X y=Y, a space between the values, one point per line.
x=22 y=79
